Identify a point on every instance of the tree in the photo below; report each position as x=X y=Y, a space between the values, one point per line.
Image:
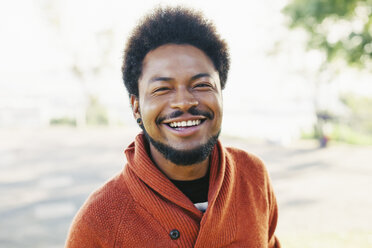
x=340 y=28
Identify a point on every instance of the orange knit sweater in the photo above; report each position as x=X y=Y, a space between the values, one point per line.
x=140 y=207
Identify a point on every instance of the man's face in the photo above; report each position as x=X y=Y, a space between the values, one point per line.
x=180 y=100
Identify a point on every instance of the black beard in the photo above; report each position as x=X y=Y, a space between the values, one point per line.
x=184 y=157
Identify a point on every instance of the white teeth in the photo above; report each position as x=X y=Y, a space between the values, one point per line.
x=188 y=123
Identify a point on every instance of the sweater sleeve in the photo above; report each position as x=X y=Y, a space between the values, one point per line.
x=273 y=220
x=97 y=222
x=81 y=233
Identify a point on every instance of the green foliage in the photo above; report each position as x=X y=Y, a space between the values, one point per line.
x=344 y=133
x=355 y=128
x=360 y=111
x=63 y=121
x=341 y=28
x=341 y=132
x=96 y=114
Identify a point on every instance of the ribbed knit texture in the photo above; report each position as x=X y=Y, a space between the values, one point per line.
x=140 y=206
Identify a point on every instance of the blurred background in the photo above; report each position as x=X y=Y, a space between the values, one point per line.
x=299 y=95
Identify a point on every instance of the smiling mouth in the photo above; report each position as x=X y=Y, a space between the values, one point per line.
x=185 y=124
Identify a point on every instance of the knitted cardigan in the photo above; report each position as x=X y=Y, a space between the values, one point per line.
x=140 y=207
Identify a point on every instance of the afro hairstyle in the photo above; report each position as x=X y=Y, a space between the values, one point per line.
x=172 y=25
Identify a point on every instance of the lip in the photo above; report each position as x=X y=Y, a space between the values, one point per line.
x=185 y=118
x=184 y=131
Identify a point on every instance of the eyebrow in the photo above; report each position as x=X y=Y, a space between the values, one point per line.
x=167 y=79
x=160 y=79
x=200 y=75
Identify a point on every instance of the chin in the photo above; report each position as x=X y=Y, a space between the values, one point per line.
x=184 y=157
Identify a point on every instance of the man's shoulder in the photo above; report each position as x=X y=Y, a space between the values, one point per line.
x=110 y=190
x=246 y=162
x=107 y=202
x=99 y=218
x=240 y=155
x=252 y=176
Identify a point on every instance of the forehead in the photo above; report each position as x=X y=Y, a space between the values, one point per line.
x=173 y=59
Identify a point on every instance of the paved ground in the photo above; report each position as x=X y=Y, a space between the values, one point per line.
x=45 y=175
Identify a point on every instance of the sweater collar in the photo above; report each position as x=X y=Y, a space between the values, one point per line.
x=141 y=164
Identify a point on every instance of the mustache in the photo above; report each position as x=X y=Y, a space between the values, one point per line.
x=192 y=111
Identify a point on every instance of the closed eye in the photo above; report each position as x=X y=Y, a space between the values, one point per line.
x=160 y=90
x=203 y=85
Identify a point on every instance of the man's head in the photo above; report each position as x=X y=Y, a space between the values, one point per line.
x=175 y=67
x=172 y=26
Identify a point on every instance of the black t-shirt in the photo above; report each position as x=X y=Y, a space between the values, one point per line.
x=195 y=190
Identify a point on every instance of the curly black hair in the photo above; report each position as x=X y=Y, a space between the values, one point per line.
x=176 y=25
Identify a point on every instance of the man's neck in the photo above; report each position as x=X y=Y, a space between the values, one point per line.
x=179 y=172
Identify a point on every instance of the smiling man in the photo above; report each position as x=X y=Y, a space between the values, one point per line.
x=180 y=187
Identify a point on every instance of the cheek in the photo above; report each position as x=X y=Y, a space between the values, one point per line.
x=215 y=103
x=218 y=111
x=150 y=111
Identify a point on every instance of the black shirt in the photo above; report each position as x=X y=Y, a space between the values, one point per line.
x=195 y=190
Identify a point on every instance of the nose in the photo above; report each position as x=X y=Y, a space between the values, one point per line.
x=183 y=99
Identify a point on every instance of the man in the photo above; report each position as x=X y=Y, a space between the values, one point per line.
x=180 y=187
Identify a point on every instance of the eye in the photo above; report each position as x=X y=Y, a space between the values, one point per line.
x=202 y=85
x=160 y=90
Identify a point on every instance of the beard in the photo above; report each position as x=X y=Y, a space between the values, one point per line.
x=184 y=157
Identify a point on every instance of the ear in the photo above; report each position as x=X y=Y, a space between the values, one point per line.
x=134 y=101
